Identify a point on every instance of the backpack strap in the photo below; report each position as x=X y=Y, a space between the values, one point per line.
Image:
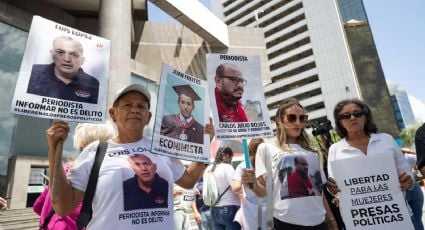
x=47 y=219
x=218 y=199
x=86 y=210
x=259 y=213
x=269 y=189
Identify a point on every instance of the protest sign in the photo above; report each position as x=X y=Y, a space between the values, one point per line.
x=237 y=97
x=179 y=123
x=370 y=196
x=63 y=75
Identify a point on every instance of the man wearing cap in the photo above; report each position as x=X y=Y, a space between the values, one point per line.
x=130 y=112
x=64 y=78
x=183 y=126
x=228 y=92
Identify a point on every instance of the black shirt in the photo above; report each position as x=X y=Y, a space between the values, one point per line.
x=43 y=82
x=420 y=146
x=137 y=198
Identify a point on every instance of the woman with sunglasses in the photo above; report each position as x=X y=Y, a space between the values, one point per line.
x=296 y=174
x=354 y=124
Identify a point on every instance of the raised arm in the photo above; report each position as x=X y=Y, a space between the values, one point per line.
x=64 y=197
x=195 y=170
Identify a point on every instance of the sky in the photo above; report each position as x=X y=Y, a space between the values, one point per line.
x=399 y=33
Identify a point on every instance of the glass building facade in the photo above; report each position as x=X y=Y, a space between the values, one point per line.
x=352 y=10
x=401 y=105
x=12 y=45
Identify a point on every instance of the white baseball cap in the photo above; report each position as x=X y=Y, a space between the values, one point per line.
x=133 y=87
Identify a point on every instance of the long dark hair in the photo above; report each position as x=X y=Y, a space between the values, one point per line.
x=221 y=152
x=369 y=127
x=302 y=139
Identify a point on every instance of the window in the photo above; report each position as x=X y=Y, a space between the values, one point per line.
x=12 y=45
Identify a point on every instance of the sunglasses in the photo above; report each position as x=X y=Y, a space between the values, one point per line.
x=292 y=118
x=347 y=115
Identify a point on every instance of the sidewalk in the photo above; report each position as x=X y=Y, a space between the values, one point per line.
x=24 y=219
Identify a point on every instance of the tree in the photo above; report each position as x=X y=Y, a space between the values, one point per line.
x=408 y=135
x=319 y=142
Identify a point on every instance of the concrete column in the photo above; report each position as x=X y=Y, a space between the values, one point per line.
x=115 y=22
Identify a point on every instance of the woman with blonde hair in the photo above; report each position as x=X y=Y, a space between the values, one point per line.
x=86 y=133
x=295 y=171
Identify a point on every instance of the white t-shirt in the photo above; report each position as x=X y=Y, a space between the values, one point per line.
x=379 y=144
x=108 y=202
x=223 y=175
x=411 y=159
x=247 y=215
x=289 y=204
x=184 y=200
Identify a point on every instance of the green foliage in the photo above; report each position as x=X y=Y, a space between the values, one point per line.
x=408 y=135
x=317 y=142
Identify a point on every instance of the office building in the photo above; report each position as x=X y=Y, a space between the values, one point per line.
x=320 y=52
x=401 y=105
x=139 y=48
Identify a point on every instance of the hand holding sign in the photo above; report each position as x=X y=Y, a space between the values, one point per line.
x=370 y=198
x=209 y=129
x=56 y=135
x=332 y=186
x=405 y=181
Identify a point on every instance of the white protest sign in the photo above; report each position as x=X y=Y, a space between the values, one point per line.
x=179 y=123
x=63 y=75
x=237 y=97
x=370 y=196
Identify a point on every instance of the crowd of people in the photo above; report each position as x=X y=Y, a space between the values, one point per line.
x=138 y=188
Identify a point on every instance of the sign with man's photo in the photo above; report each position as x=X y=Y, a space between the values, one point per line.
x=237 y=97
x=370 y=196
x=63 y=75
x=179 y=123
x=299 y=175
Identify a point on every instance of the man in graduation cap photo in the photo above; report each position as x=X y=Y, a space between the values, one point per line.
x=183 y=126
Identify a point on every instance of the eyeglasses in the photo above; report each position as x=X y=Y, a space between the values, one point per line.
x=236 y=80
x=292 y=118
x=347 y=115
